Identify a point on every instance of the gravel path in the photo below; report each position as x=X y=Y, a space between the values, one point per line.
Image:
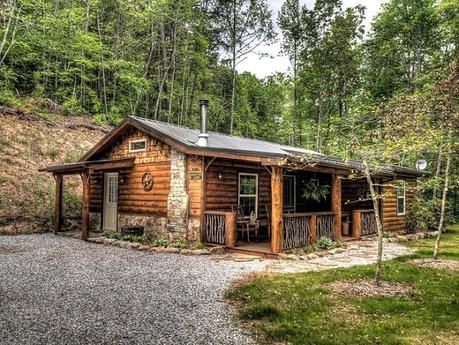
x=56 y=290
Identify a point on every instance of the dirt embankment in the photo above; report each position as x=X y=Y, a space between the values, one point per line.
x=32 y=140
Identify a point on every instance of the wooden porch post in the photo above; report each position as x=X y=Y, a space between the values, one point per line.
x=58 y=204
x=230 y=227
x=336 y=205
x=356 y=224
x=85 y=214
x=277 y=209
x=312 y=229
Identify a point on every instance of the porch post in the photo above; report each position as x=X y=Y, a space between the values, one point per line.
x=58 y=204
x=276 y=209
x=85 y=214
x=336 y=205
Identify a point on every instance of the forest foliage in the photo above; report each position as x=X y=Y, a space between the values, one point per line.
x=392 y=90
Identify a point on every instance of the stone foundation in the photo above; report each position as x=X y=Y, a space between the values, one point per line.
x=193 y=231
x=154 y=226
x=177 y=200
x=95 y=219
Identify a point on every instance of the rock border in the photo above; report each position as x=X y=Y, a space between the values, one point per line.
x=149 y=248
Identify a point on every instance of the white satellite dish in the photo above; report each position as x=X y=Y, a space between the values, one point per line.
x=421 y=164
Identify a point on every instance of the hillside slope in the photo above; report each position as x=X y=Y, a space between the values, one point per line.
x=29 y=141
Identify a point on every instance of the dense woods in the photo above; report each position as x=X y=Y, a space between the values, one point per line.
x=389 y=94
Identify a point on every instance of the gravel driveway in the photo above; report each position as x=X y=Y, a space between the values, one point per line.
x=57 y=290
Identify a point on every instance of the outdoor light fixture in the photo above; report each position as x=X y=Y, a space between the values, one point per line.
x=220 y=176
x=122 y=180
x=421 y=164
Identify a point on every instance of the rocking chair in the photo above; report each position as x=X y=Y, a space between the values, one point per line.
x=245 y=224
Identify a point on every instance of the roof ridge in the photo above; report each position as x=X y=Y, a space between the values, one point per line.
x=220 y=133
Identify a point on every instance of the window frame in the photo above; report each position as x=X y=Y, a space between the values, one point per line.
x=247 y=195
x=144 y=140
x=293 y=177
x=401 y=185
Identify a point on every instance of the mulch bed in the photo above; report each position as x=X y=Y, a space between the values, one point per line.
x=439 y=264
x=367 y=288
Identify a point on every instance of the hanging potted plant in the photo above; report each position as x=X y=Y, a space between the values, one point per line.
x=313 y=190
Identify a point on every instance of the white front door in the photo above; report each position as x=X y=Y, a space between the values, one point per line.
x=110 y=201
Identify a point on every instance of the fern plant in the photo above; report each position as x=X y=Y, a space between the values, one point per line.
x=313 y=190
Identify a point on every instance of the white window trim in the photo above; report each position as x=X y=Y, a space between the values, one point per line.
x=402 y=184
x=247 y=195
x=294 y=190
x=138 y=141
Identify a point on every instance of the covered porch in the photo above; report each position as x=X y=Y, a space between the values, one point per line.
x=291 y=220
x=87 y=170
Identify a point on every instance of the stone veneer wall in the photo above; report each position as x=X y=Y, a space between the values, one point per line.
x=154 y=226
x=177 y=200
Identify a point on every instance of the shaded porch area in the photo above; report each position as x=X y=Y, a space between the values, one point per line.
x=87 y=170
x=281 y=208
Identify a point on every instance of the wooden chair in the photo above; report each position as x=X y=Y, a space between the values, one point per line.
x=267 y=222
x=245 y=224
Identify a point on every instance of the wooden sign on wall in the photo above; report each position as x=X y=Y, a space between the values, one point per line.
x=195 y=174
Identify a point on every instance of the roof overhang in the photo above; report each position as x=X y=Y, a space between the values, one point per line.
x=91 y=166
x=338 y=165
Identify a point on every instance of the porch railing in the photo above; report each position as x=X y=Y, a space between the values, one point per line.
x=296 y=230
x=303 y=228
x=363 y=223
x=220 y=228
x=325 y=225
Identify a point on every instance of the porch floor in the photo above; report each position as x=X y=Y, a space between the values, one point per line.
x=264 y=247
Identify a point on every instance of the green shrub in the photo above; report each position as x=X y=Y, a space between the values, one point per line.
x=8 y=99
x=3 y=221
x=130 y=238
x=72 y=106
x=327 y=243
x=180 y=243
x=53 y=152
x=160 y=242
x=424 y=214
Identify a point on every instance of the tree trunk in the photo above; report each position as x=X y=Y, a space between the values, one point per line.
x=443 y=200
x=437 y=172
x=233 y=66
x=375 y=200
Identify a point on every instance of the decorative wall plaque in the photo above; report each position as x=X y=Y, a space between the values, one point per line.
x=147 y=182
x=195 y=174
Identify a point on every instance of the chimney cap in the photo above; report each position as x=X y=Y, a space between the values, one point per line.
x=204 y=102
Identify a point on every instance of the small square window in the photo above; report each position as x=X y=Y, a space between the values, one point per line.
x=401 y=198
x=138 y=145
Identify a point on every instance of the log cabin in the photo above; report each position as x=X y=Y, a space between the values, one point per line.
x=245 y=194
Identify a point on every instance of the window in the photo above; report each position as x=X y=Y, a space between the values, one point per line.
x=248 y=193
x=137 y=145
x=401 y=198
x=289 y=193
x=113 y=189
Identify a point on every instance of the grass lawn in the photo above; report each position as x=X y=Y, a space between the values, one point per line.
x=298 y=309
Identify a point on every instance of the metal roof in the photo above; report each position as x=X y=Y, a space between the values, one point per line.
x=221 y=142
x=246 y=146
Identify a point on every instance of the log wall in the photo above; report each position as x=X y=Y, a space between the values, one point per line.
x=390 y=220
x=221 y=194
x=131 y=197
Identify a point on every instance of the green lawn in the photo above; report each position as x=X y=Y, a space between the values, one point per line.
x=297 y=309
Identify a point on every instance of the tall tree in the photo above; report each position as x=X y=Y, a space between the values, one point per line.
x=242 y=26
x=291 y=25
